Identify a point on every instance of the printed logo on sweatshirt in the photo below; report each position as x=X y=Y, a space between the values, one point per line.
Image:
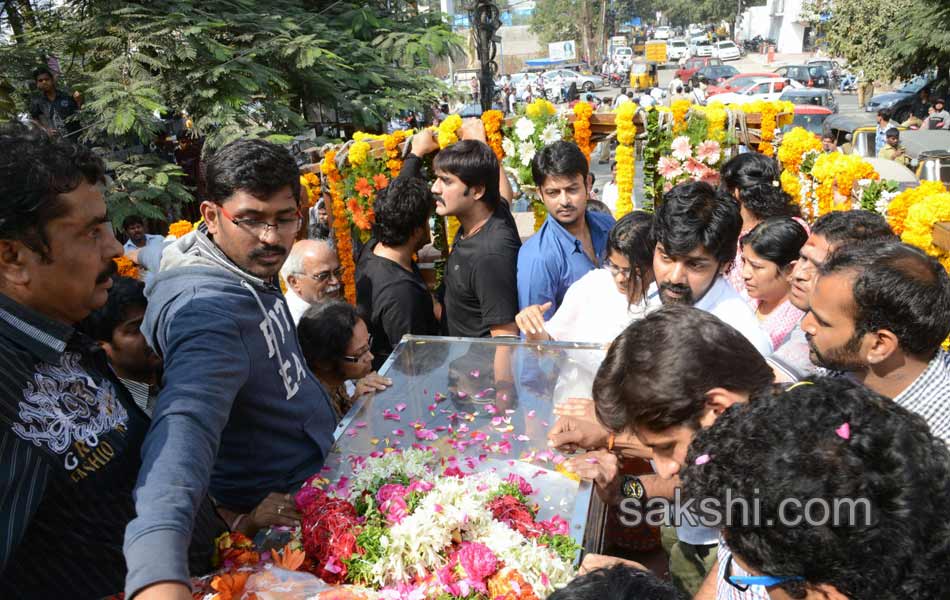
x=63 y=406
x=277 y=328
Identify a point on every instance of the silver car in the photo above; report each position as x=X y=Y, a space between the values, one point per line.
x=586 y=83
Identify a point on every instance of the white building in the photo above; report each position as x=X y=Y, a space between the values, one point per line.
x=779 y=20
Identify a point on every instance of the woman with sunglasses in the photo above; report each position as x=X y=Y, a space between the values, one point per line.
x=599 y=305
x=336 y=345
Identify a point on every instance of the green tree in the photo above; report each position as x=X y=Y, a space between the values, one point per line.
x=919 y=39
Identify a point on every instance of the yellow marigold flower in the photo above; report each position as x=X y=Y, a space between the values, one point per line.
x=358 y=153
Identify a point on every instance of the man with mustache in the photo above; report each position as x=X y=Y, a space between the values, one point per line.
x=313 y=274
x=239 y=414
x=697 y=229
x=879 y=312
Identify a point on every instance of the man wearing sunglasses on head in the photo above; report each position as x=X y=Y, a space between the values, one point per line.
x=313 y=275
x=240 y=414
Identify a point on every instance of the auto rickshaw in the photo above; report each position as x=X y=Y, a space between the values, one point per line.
x=644 y=75
x=853 y=134
x=929 y=152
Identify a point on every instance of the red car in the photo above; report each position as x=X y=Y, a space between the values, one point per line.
x=736 y=83
x=810 y=117
x=694 y=64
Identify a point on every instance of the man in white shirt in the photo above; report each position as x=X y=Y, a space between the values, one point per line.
x=674 y=84
x=313 y=274
x=134 y=227
x=622 y=97
x=697 y=229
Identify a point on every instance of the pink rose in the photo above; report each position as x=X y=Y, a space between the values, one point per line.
x=478 y=562
x=306 y=496
x=389 y=491
x=420 y=486
x=394 y=509
x=556 y=525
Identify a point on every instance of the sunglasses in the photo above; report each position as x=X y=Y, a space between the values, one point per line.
x=744 y=582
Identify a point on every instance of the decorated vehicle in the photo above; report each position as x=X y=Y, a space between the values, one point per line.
x=810 y=117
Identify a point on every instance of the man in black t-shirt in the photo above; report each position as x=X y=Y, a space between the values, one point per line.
x=480 y=289
x=389 y=286
x=54 y=110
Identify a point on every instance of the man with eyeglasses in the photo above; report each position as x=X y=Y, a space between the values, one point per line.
x=240 y=414
x=313 y=274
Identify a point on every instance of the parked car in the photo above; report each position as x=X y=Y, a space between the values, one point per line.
x=829 y=64
x=736 y=83
x=726 y=50
x=807 y=75
x=694 y=64
x=811 y=97
x=713 y=74
x=677 y=49
x=662 y=33
x=900 y=100
x=587 y=83
x=700 y=46
x=763 y=88
x=623 y=53
x=810 y=117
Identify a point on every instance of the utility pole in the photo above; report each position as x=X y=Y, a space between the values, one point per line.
x=486 y=22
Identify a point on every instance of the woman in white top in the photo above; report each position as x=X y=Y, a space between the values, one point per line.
x=600 y=305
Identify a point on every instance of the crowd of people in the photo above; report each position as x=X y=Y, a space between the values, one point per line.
x=749 y=353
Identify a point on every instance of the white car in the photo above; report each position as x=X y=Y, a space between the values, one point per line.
x=726 y=50
x=761 y=88
x=662 y=33
x=677 y=49
x=623 y=53
x=700 y=46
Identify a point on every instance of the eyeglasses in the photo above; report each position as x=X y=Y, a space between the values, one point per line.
x=260 y=228
x=615 y=270
x=324 y=276
x=744 y=582
x=359 y=355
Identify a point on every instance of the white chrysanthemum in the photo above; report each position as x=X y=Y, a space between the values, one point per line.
x=524 y=128
x=550 y=134
x=508 y=146
x=527 y=151
x=415 y=464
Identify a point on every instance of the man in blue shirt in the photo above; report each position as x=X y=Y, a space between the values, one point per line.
x=572 y=240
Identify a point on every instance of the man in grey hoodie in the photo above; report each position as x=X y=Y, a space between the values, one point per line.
x=239 y=410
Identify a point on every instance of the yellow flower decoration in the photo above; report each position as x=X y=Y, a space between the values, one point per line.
x=540 y=108
x=448 y=131
x=582 y=114
x=791 y=184
x=626 y=136
x=794 y=145
x=180 y=228
x=493 y=120
x=358 y=153
x=900 y=205
x=679 y=108
x=843 y=170
x=716 y=114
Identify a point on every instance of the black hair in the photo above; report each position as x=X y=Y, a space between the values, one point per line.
x=474 y=163
x=401 y=208
x=899 y=288
x=132 y=220
x=598 y=206
x=42 y=70
x=632 y=237
x=35 y=171
x=593 y=178
x=749 y=169
x=694 y=214
x=325 y=330
x=126 y=293
x=657 y=372
x=777 y=240
x=619 y=582
x=885 y=114
x=850 y=226
x=791 y=445
x=561 y=158
x=255 y=166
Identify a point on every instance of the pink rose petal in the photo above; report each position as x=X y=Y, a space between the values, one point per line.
x=398 y=432
x=523 y=438
x=531 y=414
x=401 y=406
x=474 y=373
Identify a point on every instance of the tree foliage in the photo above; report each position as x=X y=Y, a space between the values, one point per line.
x=236 y=67
x=919 y=39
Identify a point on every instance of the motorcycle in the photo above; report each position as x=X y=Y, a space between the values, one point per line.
x=848 y=83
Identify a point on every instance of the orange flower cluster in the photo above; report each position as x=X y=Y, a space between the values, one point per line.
x=393 y=154
x=767 y=128
x=126 y=268
x=582 y=113
x=229 y=586
x=679 y=109
x=311 y=183
x=509 y=584
x=493 y=120
x=341 y=230
x=180 y=229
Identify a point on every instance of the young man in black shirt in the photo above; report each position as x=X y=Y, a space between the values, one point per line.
x=389 y=286
x=480 y=289
x=54 y=110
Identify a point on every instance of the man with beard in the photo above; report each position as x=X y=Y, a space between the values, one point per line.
x=70 y=434
x=239 y=409
x=833 y=230
x=697 y=230
x=572 y=241
x=879 y=312
x=313 y=274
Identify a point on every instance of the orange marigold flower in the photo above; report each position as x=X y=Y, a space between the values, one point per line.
x=380 y=181
x=363 y=187
x=180 y=228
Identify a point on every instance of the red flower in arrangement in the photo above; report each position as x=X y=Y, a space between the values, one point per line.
x=363 y=187
x=512 y=512
x=380 y=181
x=327 y=528
x=352 y=205
x=523 y=486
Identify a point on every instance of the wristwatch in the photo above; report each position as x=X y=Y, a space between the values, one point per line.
x=631 y=487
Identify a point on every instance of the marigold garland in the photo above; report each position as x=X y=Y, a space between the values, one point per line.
x=842 y=171
x=582 y=134
x=341 y=228
x=180 y=229
x=448 y=131
x=540 y=108
x=898 y=208
x=391 y=144
x=626 y=136
x=126 y=268
x=791 y=184
x=679 y=108
x=492 y=120
x=311 y=183
x=716 y=115
x=358 y=153
x=794 y=145
x=931 y=207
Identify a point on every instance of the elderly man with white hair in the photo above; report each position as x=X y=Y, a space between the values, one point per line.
x=313 y=274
